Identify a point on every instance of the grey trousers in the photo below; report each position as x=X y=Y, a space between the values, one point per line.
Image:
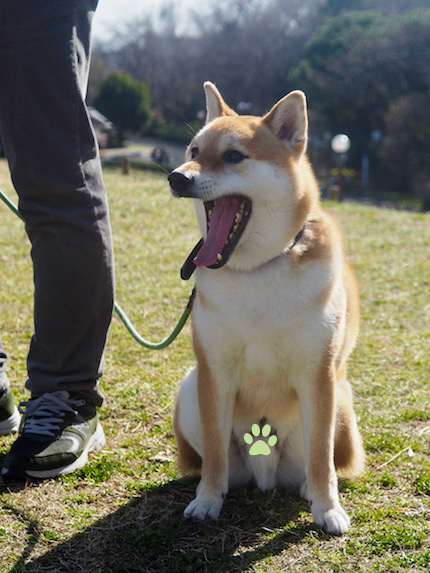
x=53 y=158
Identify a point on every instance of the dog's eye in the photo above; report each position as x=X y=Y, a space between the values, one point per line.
x=194 y=152
x=233 y=156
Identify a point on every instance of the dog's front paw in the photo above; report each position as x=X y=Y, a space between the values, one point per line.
x=333 y=520
x=202 y=508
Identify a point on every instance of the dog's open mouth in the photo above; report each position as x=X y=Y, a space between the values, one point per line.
x=227 y=218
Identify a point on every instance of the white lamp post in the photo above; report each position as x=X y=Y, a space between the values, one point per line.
x=340 y=143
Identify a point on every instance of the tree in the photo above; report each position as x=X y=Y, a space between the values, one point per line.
x=245 y=46
x=335 y=7
x=357 y=66
x=99 y=71
x=406 y=147
x=125 y=101
x=335 y=70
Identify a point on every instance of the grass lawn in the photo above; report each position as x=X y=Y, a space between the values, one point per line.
x=123 y=512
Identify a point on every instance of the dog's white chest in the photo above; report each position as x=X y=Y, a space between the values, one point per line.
x=261 y=322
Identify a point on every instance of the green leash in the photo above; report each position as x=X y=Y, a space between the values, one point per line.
x=11 y=205
x=124 y=318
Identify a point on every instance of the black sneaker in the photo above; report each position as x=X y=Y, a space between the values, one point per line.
x=9 y=415
x=57 y=431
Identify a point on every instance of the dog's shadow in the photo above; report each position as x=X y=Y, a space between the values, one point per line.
x=150 y=535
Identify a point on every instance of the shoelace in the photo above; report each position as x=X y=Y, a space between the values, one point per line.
x=45 y=414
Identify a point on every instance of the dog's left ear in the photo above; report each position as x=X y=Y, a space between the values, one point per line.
x=288 y=120
x=215 y=105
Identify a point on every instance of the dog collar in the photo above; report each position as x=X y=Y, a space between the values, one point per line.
x=189 y=267
x=297 y=238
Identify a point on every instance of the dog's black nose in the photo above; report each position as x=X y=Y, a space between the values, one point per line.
x=181 y=183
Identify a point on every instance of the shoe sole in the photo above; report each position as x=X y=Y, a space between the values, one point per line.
x=96 y=442
x=11 y=424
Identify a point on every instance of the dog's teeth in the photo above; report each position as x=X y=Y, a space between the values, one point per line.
x=235 y=228
x=210 y=212
x=231 y=236
x=239 y=217
x=219 y=257
x=242 y=206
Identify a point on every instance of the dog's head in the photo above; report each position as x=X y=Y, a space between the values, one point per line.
x=249 y=177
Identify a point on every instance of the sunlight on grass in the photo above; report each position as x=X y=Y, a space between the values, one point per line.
x=123 y=512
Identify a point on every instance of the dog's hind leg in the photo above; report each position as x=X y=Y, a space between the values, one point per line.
x=187 y=426
x=348 y=447
x=239 y=473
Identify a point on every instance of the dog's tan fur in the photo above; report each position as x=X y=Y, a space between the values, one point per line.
x=273 y=328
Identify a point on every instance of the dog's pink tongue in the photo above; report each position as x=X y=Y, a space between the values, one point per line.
x=222 y=220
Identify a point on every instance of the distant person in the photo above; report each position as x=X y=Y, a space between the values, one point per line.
x=53 y=157
x=159 y=155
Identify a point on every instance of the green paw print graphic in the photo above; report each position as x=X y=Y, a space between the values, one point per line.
x=260 y=447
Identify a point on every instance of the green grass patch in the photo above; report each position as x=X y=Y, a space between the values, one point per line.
x=387 y=540
x=50 y=536
x=387 y=480
x=408 y=561
x=94 y=472
x=418 y=414
x=422 y=484
x=384 y=442
x=150 y=541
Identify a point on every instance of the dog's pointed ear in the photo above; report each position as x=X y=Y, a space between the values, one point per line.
x=288 y=120
x=215 y=105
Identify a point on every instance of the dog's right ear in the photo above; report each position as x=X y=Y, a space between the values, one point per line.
x=215 y=105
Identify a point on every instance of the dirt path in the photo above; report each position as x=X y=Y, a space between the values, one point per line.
x=142 y=149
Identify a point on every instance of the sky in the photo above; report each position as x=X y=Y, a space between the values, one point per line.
x=112 y=14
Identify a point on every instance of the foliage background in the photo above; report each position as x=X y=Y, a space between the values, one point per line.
x=364 y=64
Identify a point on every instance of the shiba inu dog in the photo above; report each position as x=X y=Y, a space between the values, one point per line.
x=275 y=317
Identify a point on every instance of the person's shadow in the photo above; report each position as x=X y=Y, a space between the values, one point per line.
x=150 y=535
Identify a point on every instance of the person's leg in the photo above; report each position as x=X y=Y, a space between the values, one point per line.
x=55 y=167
